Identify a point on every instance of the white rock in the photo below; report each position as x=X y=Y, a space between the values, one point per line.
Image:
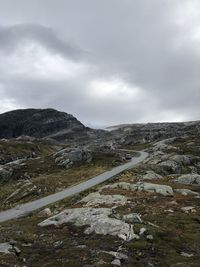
x=164 y=190
x=96 y=198
x=151 y=175
x=5 y=248
x=116 y=262
x=186 y=192
x=97 y=220
x=188 y=179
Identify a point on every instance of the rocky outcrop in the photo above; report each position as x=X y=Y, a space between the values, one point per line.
x=68 y=156
x=97 y=199
x=97 y=219
x=168 y=163
x=164 y=190
x=186 y=192
x=188 y=179
x=150 y=175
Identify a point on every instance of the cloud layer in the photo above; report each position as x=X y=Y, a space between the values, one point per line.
x=106 y=62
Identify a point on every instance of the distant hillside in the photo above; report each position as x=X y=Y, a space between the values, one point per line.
x=40 y=123
x=130 y=134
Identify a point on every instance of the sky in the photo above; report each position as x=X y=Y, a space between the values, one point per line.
x=104 y=61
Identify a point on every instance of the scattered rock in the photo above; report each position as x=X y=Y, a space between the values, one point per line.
x=97 y=219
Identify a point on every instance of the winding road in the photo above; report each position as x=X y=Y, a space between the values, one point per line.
x=24 y=209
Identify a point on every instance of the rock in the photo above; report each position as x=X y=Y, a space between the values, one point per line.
x=121 y=185
x=181 y=159
x=185 y=254
x=151 y=175
x=58 y=244
x=188 y=209
x=117 y=255
x=142 y=231
x=116 y=262
x=188 y=179
x=96 y=198
x=46 y=212
x=186 y=192
x=164 y=190
x=170 y=166
x=16 y=250
x=149 y=237
x=5 y=248
x=5 y=173
x=97 y=219
x=68 y=156
x=132 y=218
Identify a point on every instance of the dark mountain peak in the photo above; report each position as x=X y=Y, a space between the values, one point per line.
x=38 y=123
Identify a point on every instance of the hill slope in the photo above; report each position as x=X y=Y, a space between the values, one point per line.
x=39 y=123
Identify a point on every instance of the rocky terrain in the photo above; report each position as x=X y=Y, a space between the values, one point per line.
x=148 y=216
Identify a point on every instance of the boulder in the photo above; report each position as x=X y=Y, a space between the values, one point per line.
x=150 y=175
x=96 y=219
x=186 y=192
x=188 y=179
x=96 y=199
x=68 y=156
x=5 y=173
x=132 y=218
x=5 y=248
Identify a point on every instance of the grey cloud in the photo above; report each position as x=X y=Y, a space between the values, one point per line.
x=13 y=36
x=143 y=43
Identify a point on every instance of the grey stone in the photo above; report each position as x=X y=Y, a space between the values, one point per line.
x=68 y=156
x=97 y=219
x=5 y=173
x=164 y=190
x=151 y=175
x=186 y=192
x=188 y=179
x=5 y=248
x=117 y=255
x=149 y=237
x=132 y=218
x=116 y=262
x=96 y=198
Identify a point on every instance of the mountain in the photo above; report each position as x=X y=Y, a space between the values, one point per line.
x=40 y=123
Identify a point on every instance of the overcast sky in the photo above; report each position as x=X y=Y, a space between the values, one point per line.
x=104 y=61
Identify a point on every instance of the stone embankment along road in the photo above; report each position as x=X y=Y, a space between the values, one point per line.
x=24 y=209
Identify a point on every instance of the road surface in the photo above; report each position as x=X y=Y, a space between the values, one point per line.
x=24 y=209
